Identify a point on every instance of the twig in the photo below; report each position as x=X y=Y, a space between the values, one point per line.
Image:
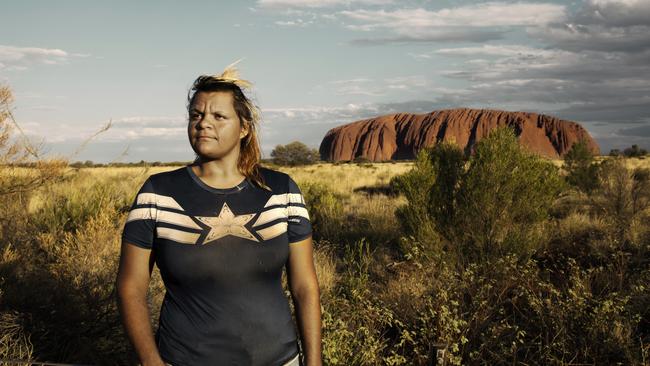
x=87 y=140
x=28 y=145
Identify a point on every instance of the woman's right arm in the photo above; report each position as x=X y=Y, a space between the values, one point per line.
x=132 y=284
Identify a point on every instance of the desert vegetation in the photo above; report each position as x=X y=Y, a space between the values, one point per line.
x=294 y=153
x=501 y=257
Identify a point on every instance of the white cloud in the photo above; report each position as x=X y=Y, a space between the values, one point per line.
x=317 y=3
x=480 y=15
x=475 y=23
x=602 y=25
x=18 y=58
x=497 y=50
x=122 y=129
x=420 y=56
x=583 y=86
x=615 y=12
x=162 y=132
x=294 y=23
x=157 y=121
x=380 y=87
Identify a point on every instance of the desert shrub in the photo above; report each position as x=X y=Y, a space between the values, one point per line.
x=325 y=262
x=490 y=206
x=582 y=172
x=505 y=311
x=354 y=321
x=325 y=210
x=16 y=151
x=435 y=334
x=503 y=196
x=635 y=151
x=421 y=238
x=16 y=186
x=294 y=153
x=621 y=196
x=362 y=161
x=14 y=342
x=65 y=207
x=578 y=236
x=79 y=291
x=64 y=280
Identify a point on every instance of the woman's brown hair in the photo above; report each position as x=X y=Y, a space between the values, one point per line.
x=248 y=163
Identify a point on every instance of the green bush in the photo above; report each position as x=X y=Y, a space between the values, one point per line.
x=294 y=153
x=621 y=196
x=582 y=172
x=354 y=320
x=635 y=151
x=490 y=206
x=416 y=223
x=325 y=210
x=67 y=209
x=502 y=198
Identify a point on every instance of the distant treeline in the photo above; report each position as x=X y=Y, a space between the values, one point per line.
x=633 y=152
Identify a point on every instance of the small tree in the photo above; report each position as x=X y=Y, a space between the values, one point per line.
x=414 y=218
x=503 y=196
x=15 y=152
x=635 y=151
x=582 y=173
x=490 y=206
x=622 y=196
x=294 y=153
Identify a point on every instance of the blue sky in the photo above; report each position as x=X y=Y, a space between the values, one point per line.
x=316 y=64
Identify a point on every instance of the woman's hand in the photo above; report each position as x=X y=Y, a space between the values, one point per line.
x=303 y=285
x=132 y=284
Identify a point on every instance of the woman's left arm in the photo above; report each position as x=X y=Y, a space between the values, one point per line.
x=303 y=285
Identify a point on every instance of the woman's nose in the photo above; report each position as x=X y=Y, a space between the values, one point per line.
x=204 y=123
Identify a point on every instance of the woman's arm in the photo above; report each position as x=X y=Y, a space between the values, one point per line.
x=132 y=284
x=303 y=285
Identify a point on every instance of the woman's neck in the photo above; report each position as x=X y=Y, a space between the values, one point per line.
x=217 y=174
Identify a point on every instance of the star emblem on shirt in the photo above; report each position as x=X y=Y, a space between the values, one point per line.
x=227 y=223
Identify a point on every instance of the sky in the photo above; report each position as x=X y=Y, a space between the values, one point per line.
x=73 y=66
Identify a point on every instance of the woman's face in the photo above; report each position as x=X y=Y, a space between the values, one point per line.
x=214 y=129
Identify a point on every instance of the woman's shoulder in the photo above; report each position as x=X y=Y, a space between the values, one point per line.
x=275 y=179
x=168 y=176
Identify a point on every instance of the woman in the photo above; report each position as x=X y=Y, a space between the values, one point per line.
x=221 y=230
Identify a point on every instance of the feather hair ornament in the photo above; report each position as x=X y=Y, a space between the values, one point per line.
x=231 y=75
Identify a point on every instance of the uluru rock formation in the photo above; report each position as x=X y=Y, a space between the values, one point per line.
x=400 y=136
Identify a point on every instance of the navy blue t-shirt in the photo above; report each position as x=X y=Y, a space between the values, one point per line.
x=221 y=253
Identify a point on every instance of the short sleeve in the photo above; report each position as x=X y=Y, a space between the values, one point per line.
x=299 y=224
x=139 y=228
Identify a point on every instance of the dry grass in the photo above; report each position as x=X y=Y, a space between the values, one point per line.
x=631 y=163
x=345 y=178
x=65 y=247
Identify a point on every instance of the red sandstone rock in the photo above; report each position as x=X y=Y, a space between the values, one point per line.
x=402 y=135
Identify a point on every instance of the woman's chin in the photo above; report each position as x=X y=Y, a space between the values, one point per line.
x=210 y=155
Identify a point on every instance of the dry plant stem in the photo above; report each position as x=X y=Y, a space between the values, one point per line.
x=28 y=145
x=103 y=129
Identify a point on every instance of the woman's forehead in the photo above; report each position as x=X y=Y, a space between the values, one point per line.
x=215 y=100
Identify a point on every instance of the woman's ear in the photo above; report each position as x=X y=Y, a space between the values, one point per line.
x=244 y=130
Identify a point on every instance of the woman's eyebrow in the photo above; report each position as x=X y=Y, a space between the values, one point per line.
x=213 y=111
